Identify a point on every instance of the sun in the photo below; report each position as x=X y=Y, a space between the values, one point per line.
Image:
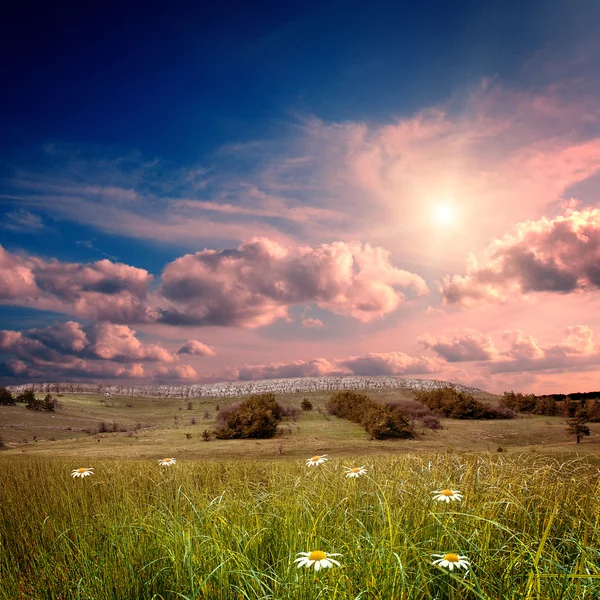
x=444 y=214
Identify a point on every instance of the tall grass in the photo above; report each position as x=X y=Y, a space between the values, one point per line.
x=221 y=531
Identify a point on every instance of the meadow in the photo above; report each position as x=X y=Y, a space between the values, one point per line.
x=528 y=525
x=229 y=519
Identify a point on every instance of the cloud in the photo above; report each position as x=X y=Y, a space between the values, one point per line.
x=249 y=286
x=22 y=221
x=255 y=284
x=372 y=363
x=103 y=290
x=175 y=373
x=196 y=348
x=69 y=349
x=463 y=347
x=560 y=256
x=390 y=363
x=577 y=352
x=311 y=323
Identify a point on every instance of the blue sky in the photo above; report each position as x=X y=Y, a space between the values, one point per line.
x=426 y=131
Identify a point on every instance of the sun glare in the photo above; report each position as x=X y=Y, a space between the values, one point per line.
x=444 y=214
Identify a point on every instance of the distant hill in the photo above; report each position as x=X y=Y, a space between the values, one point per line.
x=242 y=388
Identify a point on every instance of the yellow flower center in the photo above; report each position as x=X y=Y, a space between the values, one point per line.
x=317 y=555
x=451 y=557
x=447 y=493
x=82 y=470
x=355 y=470
x=166 y=460
x=315 y=458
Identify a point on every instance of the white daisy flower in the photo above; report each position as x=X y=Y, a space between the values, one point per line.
x=316 y=460
x=355 y=472
x=167 y=462
x=321 y=560
x=447 y=495
x=82 y=472
x=449 y=561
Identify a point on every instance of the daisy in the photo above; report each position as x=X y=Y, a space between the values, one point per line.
x=449 y=561
x=82 y=472
x=321 y=560
x=316 y=460
x=355 y=472
x=167 y=462
x=447 y=495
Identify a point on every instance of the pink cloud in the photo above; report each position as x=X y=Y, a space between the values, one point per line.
x=68 y=349
x=311 y=323
x=175 y=373
x=372 y=363
x=560 y=255
x=255 y=284
x=577 y=352
x=101 y=291
x=390 y=363
x=465 y=346
x=196 y=348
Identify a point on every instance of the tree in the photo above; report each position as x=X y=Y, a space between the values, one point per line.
x=6 y=398
x=26 y=397
x=576 y=425
x=306 y=404
x=48 y=404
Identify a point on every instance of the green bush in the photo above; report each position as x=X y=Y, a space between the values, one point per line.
x=381 y=421
x=6 y=398
x=349 y=405
x=306 y=404
x=26 y=397
x=384 y=422
x=256 y=417
x=48 y=404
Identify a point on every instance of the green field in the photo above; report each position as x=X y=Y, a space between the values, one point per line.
x=528 y=524
x=228 y=520
x=153 y=427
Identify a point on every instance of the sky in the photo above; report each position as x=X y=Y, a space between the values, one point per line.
x=192 y=193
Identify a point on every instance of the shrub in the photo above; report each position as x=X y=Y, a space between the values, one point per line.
x=415 y=411
x=6 y=398
x=498 y=412
x=306 y=404
x=206 y=435
x=349 y=405
x=290 y=411
x=380 y=421
x=48 y=404
x=459 y=405
x=256 y=417
x=384 y=422
x=26 y=397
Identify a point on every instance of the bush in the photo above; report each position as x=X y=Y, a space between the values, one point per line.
x=306 y=404
x=48 y=404
x=26 y=397
x=384 y=422
x=380 y=421
x=498 y=412
x=6 y=398
x=458 y=405
x=415 y=411
x=256 y=417
x=349 y=405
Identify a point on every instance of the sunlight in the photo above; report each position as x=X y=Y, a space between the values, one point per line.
x=444 y=214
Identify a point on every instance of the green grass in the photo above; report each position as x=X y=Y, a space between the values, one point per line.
x=230 y=530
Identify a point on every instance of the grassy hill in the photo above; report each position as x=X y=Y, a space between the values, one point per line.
x=95 y=426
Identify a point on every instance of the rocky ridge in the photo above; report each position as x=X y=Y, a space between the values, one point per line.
x=242 y=388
